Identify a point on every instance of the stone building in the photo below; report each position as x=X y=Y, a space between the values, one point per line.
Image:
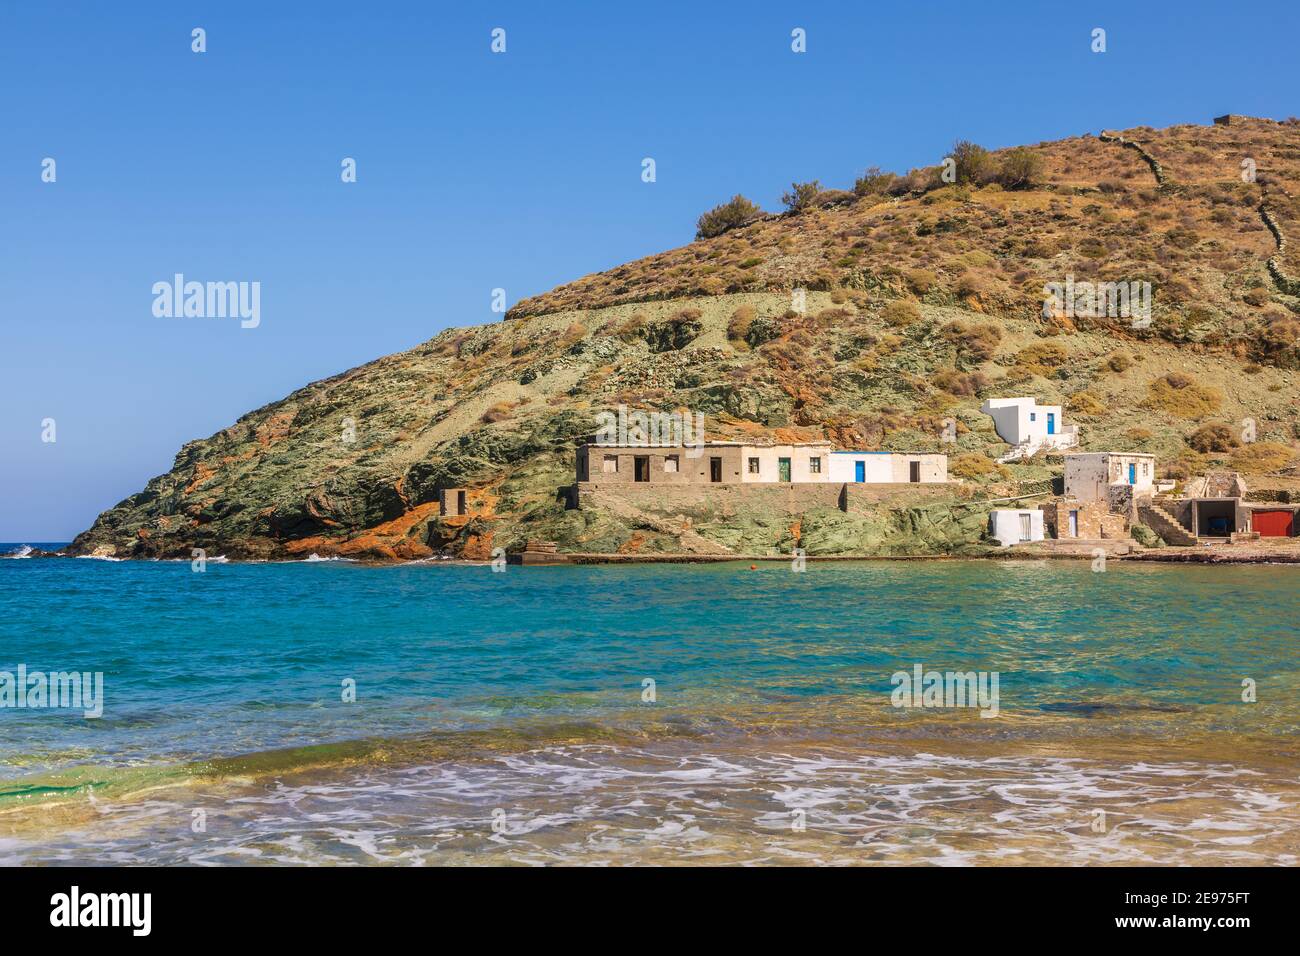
x=1116 y=478
x=705 y=463
x=1086 y=520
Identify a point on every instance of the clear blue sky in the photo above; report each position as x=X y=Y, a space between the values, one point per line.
x=475 y=171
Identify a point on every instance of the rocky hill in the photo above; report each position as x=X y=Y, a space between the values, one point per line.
x=922 y=298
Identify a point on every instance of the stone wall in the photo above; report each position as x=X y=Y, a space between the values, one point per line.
x=1094 y=520
x=1161 y=178
x=780 y=497
x=783 y=497
x=1283 y=281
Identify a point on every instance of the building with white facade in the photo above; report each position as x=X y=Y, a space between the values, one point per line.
x=1029 y=427
x=887 y=467
x=1012 y=526
x=1099 y=475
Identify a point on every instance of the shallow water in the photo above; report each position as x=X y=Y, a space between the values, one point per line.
x=500 y=717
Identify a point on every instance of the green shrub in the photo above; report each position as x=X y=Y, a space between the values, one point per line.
x=1021 y=168
x=874 y=182
x=974 y=163
x=802 y=195
x=735 y=212
x=1146 y=537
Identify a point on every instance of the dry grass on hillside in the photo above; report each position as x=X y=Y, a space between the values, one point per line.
x=1096 y=215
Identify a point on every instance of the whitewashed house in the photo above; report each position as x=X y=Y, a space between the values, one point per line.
x=1097 y=476
x=1029 y=427
x=1012 y=526
x=887 y=467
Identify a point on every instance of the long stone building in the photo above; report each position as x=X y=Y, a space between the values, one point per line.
x=740 y=463
x=705 y=463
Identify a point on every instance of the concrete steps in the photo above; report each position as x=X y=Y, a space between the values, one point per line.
x=1166 y=525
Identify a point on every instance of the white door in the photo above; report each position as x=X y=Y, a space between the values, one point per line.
x=1026 y=526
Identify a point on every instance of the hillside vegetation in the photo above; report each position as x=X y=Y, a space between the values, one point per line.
x=923 y=298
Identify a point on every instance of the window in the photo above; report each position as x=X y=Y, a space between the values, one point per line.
x=753 y=466
x=670 y=463
x=610 y=465
x=1145 y=466
x=815 y=466
x=1033 y=416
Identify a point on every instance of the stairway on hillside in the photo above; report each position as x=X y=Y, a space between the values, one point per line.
x=1166 y=525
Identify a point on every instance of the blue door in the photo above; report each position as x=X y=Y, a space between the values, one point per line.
x=1132 y=474
x=859 y=471
x=1051 y=423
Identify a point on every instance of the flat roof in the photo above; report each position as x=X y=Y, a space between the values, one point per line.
x=914 y=453
x=1102 y=454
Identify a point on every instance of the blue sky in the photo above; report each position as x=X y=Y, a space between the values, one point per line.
x=476 y=171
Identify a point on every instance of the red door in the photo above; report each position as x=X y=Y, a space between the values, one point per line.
x=1273 y=524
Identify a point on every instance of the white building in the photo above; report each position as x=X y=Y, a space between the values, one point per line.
x=1029 y=427
x=887 y=467
x=1016 y=526
x=1092 y=476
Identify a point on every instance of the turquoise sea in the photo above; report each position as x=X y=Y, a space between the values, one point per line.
x=509 y=717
